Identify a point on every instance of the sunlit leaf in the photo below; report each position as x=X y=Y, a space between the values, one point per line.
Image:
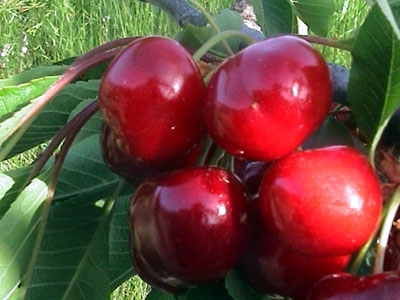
x=56 y=114
x=391 y=10
x=18 y=235
x=12 y=98
x=274 y=16
x=31 y=74
x=316 y=14
x=374 y=85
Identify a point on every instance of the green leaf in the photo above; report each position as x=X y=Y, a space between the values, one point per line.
x=391 y=9
x=85 y=177
x=83 y=239
x=31 y=74
x=316 y=14
x=120 y=264
x=73 y=258
x=237 y=287
x=331 y=133
x=56 y=114
x=12 y=98
x=18 y=234
x=93 y=126
x=159 y=295
x=274 y=16
x=214 y=290
x=15 y=103
x=11 y=184
x=193 y=37
x=374 y=83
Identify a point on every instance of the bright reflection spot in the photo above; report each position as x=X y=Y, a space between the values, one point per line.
x=221 y=210
x=295 y=89
x=100 y=203
x=355 y=200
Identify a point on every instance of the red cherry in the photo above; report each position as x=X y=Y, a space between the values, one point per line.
x=188 y=227
x=266 y=100
x=345 y=286
x=134 y=170
x=324 y=201
x=151 y=96
x=271 y=267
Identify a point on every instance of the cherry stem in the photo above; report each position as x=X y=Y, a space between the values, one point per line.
x=324 y=41
x=360 y=256
x=212 y=23
x=391 y=207
x=219 y=38
x=75 y=124
x=92 y=58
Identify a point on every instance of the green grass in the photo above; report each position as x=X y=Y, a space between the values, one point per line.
x=52 y=30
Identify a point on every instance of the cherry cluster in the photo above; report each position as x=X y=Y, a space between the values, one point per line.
x=222 y=180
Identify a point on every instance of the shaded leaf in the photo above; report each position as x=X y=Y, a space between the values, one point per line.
x=316 y=14
x=56 y=114
x=93 y=126
x=194 y=37
x=374 y=84
x=331 y=133
x=159 y=295
x=237 y=287
x=120 y=265
x=274 y=16
x=73 y=261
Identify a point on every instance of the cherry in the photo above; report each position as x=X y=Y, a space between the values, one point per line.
x=151 y=97
x=134 y=170
x=323 y=201
x=188 y=227
x=263 y=102
x=271 y=267
x=344 y=286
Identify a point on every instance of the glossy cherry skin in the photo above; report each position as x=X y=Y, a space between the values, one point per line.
x=188 y=227
x=134 y=170
x=323 y=201
x=346 y=286
x=272 y=267
x=263 y=102
x=151 y=96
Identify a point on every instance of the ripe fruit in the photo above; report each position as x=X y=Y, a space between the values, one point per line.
x=188 y=227
x=324 y=201
x=150 y=96
x=346 y=286
x=266 y=100
x=271 y=267
x=134 y=170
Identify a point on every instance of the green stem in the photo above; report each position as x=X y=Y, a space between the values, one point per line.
x=324 y=41
x=219 y=38
x=391 y=207
x=212 y=23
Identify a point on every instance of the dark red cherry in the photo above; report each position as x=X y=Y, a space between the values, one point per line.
x=151 y=97
x=188 y=227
